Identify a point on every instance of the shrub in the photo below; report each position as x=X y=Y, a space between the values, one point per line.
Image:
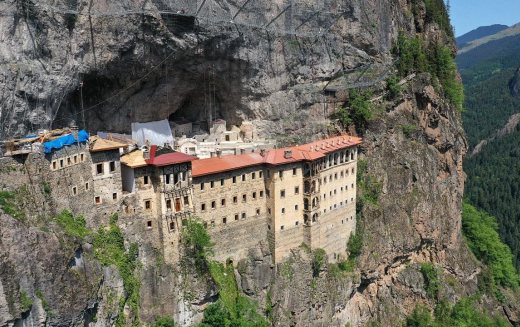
x=25 y=302
x=355 y=244
x=408 y=129
x=411 y=55
x=197 y=243
x=109 y=249
x=164 y=322
x=359 y=111
x=431 y=279
x=393 y=89
x=481 y=233
x=318 y=260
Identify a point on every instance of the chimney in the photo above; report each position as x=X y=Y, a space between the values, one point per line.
x=146 y=154
x=287 y=154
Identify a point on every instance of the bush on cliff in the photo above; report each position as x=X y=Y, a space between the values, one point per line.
x=197 y=243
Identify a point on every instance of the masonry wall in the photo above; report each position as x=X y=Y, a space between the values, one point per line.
x=285 y=185
x=107 y=184
x=234 y=209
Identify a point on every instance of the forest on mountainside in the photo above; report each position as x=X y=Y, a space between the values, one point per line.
x=493 y=175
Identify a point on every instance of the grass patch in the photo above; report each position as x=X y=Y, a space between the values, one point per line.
x=164 y=322
x=73 y=226
x=8 y=203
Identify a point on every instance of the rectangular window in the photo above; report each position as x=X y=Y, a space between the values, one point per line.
x=203 y=207
x=222 y=182
x=258 y=211
x=235 y=199
x=236 y=216
x=296 y=208
x=54 y=165
x=243 y=215
x=234 y=179
x=267 y=193
x=186 y=201
x=172 y=225
x=201 y=186
x=243 y=177
x=98 y=200
x=167 y=179
x=253 y=175
x=86 y=186
x=282 y=194
x=335 y=176
x=283 y=210
x=76 y=159
x=212 y=184
x=297 y=190
x=61 y=163
x=114 y=196
x=296 y=223
x=213 y=204
x=99 y=168
x=146 y=180
x=261 y=194
x=269 y=210
x=69 y=161
x=260 y=174
x=281 y=227
x=147 y=204
x=176 y=178
x=244 y=198
x=294 y=171
x=280 y=174
x=169 y=204
x=149 y=224
x=74 y=190
x=224 y=220
x=254 y=195
x=82 y=157
x=112 y=166
x=223 y=202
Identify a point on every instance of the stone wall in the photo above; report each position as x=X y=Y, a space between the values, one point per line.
x=238 y=220
x=107 y=183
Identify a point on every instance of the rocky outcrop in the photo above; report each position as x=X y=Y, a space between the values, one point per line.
x=514 y=84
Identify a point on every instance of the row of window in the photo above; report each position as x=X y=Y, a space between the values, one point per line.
x=99 y=200
x=335 y=175
x=177 y=203
x=175 y=178
x=339 y=158
x=334 y=192
x=234 y=179
x=67 y=161
x=237 y=217
x=338 y=206
x=297 y=223
x=100 y=167
x=254 y=195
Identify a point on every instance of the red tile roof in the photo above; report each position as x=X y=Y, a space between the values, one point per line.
x=168 y=159
x=306 y=152
x=225 y=163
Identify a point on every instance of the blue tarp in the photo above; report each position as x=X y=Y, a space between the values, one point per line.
x=62 y=141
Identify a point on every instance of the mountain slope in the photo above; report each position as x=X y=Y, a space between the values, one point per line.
x=478 y=33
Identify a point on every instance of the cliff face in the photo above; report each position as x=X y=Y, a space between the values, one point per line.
x=145 y=60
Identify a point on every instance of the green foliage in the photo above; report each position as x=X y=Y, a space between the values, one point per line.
x=232 y=308
x=45 y=304
x=25 y=301
x=436 y=12
x=370 y=190
x=358 y=112
x=393 y=89
x=197 y=243
x=74 y=226
x=164 y=322
x=411 y=54
x=355 y=244
x=437 y=59
x=408 y=129
x=109 y=249
x=46 y=188
x=319 y=257
x=9 y=205
x=480 y=230
x=463 y=314
x=431 y=279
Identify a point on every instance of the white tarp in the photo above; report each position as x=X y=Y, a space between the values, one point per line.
x=155 y=132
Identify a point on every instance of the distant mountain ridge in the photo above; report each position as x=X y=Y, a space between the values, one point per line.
x=478 y=33
x=504 y=34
